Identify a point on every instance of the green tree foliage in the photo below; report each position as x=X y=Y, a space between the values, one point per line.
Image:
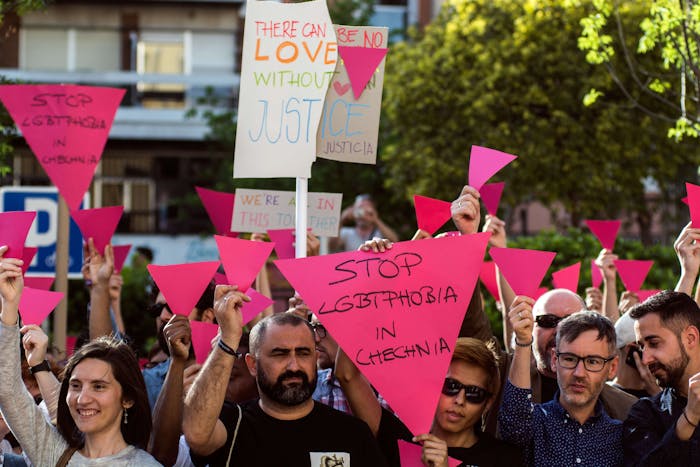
x=508 y=74
x=666 y=87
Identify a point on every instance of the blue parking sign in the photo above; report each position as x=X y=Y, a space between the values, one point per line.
x=42 y=234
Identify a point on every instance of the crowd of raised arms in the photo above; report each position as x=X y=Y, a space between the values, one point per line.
x=580 y=381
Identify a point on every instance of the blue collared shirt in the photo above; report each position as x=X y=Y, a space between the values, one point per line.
x=549 y=436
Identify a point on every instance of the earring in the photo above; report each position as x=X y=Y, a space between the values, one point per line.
x=126 y=417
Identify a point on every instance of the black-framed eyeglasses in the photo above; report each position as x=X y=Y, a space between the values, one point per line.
x=594 y=363
x=157 y=308
x=548 y=321
x=472 y=394
x=319 y=329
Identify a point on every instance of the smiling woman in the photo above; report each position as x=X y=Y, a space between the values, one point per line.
x=103 y=414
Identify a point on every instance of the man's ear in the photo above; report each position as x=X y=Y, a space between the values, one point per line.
x=554 y=359
x=691 y=337
x=250 y=363
x=208 y=315
x=614 y=364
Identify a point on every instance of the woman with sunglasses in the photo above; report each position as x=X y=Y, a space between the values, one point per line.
x=103 y=416
x=467 y=394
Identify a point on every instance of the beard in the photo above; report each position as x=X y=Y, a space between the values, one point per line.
x=673 y=371
x=544 y=359
x=286 y=395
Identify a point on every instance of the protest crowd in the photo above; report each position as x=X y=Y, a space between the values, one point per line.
x=581 y=380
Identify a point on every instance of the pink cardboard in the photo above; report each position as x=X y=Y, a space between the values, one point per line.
x=684 y=200
x=183 y=284
x=431 y=214
x=202 y=335
x=38 y=282
x=396 y=314
x=14 y=227
x=35 y=305
x=120 y=254
x=694 y=204
x=28 y=256
x=361 y=63
x=596 y=275
x=523 y=269
x=487 y=274
x=484 y=163
x=567 y=278
x=410 y=455
x=219 y=206
x=633 y=272
x=605 y=232
x=491 y=196
x=539 y=292
x=258 y=302
x=70 y=345
x=644 y=294
x=98 y=224
x=284 y=242
x=220 y=279
x=242 y=259
x=66 y=127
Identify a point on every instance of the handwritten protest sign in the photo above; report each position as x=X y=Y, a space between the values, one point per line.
x=350 y=123
x=395 y=314
x=66 y=127
x=289 y=57
x=261 y=210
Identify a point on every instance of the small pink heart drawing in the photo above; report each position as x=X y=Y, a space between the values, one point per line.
x=341 y=88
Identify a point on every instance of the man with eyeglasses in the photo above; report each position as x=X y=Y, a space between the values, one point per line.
x=573 y=428
x=663 y=429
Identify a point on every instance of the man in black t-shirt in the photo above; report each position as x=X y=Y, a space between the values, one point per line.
x=284 y=426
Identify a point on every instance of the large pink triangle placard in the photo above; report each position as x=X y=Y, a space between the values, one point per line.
x=431 y=213
x=410 y=455
x=484 y=163
x=523 y=269
x=567 y=278
x=242 y=259
x=28 y=255
x=694 y=204
x=395 y=314
x=487 y=275
x=284 y=242
x=644 y=294
x=35 y=305
x=596 y=275
x=633 y=272
x=183 y=284
x=120 y=254
x=219 y=206
x=202 y=335
x=98 y=224
x=491 y=196
x=258 y=302
x=14 y=228
x=66 y=127
x=605 y=232
x=38 y=282
x=361 y=63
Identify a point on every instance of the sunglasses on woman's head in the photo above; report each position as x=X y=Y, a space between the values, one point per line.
x=548 y=321
x=472 y=394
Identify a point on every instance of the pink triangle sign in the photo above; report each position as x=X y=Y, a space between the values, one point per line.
x=98 y=224
x=219 y=206
x=28 y=256
x=523 y=269
x=35 y=305
x=120 y=254
x=183 y=284
x=410 y=455
x=539 y=292
x=694 y=204
x=605 y=232
x=491 y=196
x=396 y=314
x=242 y=259
x=220 y=279
x=202 y=335
x=14 y=227
x=567 y=278
x=66 y=127
x=484 y=163
x=38 y=282
x=644 y=294
x=284 y=242
x=487 y=275
x=361 y=63
x=633 y=272
x=258 y=302
x=431 y=214
x=596 y=275
x=684 y=200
